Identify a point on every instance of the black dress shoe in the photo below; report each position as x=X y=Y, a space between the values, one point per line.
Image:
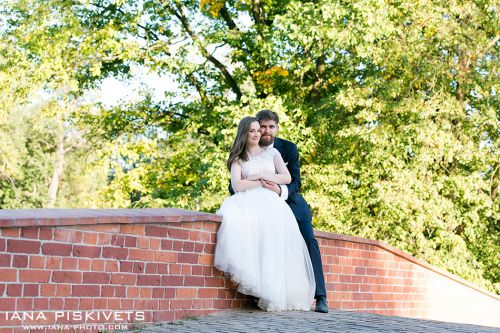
x=321 y=305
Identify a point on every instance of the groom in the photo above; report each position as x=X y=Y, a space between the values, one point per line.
x=269 y=128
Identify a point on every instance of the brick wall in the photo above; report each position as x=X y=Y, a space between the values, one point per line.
x=158 y=262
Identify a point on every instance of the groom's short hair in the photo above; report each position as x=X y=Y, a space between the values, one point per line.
x=267 y=115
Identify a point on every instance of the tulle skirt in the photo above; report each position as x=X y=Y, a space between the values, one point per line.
x=260 y=247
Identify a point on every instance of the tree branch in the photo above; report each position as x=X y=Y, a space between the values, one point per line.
x=179 y=13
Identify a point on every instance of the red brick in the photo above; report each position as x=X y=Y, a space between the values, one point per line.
x=69 y=264
x=156 y=231
x=57 y=249
x=162 y=268
x=3 y=244
x=67 y=277
x=115 y=252
x=178 y=234
x=186 y=293
x=111 y=266
x=130 y=241
x=11 y=232
x=188 y=247
x=85 y=291
x=107 y=291
x=71 y=304
x=104 y=239
x=86 y=251
x=172 y=280
x=29 y=232
x=86 y=303
x=121 y=291
x=76 y=237
x=23 y=246
x=143 y=243
x=84 y=264
x=98 y=265
x=45 y=234
x=101 y=303
x=133 y=292
x=30 y=290
x=40 y=304
x=98 y=278
x=37 y=262
x=127 y=279
x=139 y=254
x=188 y=258
x=48 y=290
x=20 y=261
x=175 y=269
x=118 y=240
x=56 y=304
x=151 y=268
x=166 y=244
x=148 y=280
x=207 y=293
x=114 y=304
x=194 y=281
x=32 y=275
x=5 y=260
x=154 y=244
x=206 y=259
x=197 y=270
x=162 y=256
x=53 y=263
x=198 y=247
x=158 y=293
x=63 y=290
x=138 y=267
x=146 y=292
x=126 y=266
x=214 y=282
x=8 y=304
x=24 y=304
x=14 y=290
x=90 y=238
x=177 y=246
x=61 y=235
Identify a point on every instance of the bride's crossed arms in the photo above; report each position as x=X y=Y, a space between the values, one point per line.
x=280 y=177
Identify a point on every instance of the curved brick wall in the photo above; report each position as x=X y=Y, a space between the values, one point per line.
x=159 y=262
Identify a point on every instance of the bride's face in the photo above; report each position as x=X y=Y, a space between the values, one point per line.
x=253 y=135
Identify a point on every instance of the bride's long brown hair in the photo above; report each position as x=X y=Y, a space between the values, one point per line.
x=238 y=149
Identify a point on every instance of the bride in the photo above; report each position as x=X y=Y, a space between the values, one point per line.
x=259 y=243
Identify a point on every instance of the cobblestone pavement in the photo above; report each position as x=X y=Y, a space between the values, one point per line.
x=335 y=321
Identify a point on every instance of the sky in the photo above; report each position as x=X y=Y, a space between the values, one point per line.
x=114 y=90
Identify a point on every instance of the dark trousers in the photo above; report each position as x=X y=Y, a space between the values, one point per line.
x=306 y=230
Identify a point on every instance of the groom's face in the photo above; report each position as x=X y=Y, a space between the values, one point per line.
x=268 y=130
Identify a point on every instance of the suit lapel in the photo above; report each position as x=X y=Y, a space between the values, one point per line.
x=278 y=144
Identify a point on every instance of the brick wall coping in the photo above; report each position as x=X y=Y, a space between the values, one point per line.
x=68 y=217
x=406 y=256
x=72 y=217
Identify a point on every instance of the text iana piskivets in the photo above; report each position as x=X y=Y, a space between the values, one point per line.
x=86 y=316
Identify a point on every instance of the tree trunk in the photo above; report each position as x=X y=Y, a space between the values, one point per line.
x=58 y=170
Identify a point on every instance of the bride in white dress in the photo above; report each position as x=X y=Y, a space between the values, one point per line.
x=259 y=243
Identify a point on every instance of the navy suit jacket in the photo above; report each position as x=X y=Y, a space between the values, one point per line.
x=297 y=203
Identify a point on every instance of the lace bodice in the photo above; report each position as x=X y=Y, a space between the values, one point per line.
x=260 y=163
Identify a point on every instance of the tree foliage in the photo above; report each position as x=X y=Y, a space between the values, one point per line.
x=393 y=105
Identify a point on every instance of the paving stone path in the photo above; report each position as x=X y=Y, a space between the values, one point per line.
x=335 y=321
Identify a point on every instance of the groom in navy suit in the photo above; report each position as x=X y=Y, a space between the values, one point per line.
x=291 y=193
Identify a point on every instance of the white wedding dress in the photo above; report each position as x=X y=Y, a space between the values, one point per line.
x=260 y=247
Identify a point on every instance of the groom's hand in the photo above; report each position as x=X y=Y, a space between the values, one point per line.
x=271 y=186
